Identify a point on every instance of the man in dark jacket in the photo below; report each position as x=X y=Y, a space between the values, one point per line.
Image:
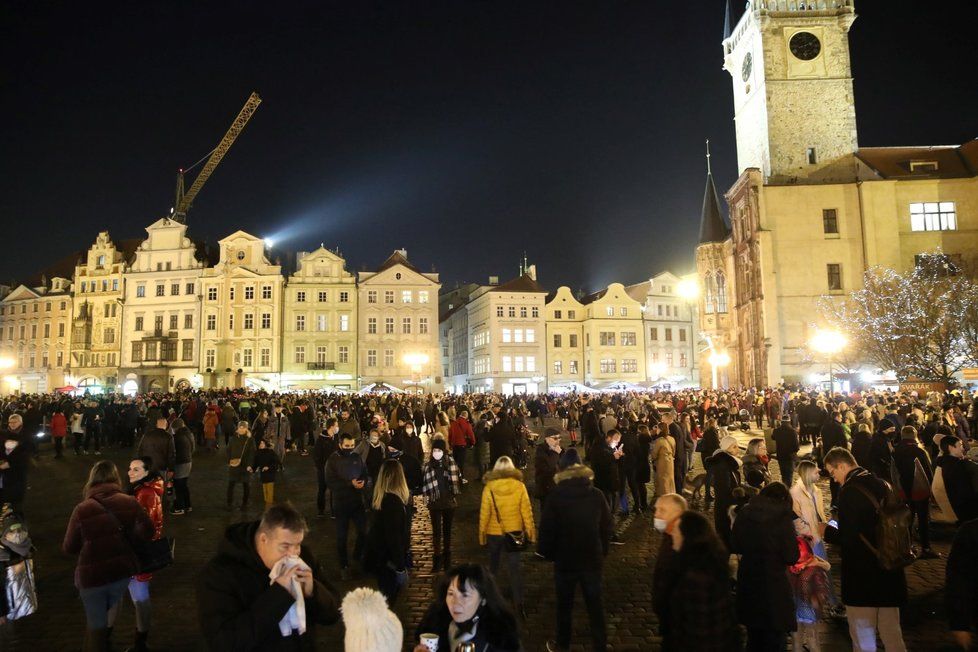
x=862 y=446
x=15 y=458
x=157 y=444
x=346 y=475
x=502 y=438
x=881 y=450
x=604 y=455
x=575 y=530
x=961 y=585
x=239 y=609
x=960 y=477
x=545 y=464
x=833 y=436
x=322 y=449
x=811 y=418
x=349 y=424
x=786 y=447
x=907 y=454
x=872 y=595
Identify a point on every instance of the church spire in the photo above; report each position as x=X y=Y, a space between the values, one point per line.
x=726 y=22
x=712 y=226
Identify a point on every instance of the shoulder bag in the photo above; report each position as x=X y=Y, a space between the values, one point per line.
x=151 y=556
x=516 y=540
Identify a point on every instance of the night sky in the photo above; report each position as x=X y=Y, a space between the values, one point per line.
x=462 y=131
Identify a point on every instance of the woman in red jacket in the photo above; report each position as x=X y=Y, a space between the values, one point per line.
x=105 y=557
x=147 y=487
x=59 y=429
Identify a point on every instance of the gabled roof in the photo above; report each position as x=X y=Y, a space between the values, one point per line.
x=524 y=283
x=397 y=258
x=712 y=226
x=953 y=161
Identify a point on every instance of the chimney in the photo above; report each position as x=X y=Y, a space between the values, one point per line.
x=403 y=252
x=493 y=280
x=531 y=271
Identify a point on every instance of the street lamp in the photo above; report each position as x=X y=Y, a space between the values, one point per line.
x=416 y=361
x=828 y=342
x=717 y=359
x=688 y=289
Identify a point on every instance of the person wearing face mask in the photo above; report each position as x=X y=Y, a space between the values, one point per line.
x=668 y=509
x=575 y=532
x=469 y=609
x=322 y=449
x=373 y=451
x=248 y=595
x=407 y=441
x=146 y=487
x=701 y=614
x=461 y=437
x=346 y=476
x=545 y=464
x=440 y=488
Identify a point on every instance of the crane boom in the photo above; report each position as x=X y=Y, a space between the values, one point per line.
x=185 y=199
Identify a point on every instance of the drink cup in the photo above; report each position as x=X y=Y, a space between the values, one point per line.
x=430 y=641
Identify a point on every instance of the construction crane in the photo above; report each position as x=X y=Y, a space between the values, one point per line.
x=184 y=199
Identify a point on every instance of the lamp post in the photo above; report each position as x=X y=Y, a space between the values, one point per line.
x=828 y=342
x=416 y=361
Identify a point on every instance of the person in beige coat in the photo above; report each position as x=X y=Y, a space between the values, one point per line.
x=663 y=458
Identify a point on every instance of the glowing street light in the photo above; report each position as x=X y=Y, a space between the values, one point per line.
x=688 y=289
x=828 y=342
x=717 y=360
x=6 y=363
x=416 y=362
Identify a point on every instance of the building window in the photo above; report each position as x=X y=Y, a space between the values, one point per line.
x=571 y=314
x=668 y=334
x=668 y=359
x=47 y=332
x=834 y=271
x=33 y=332
x=422 y=296
x=300 y=296
x=499 y=311
x=320 y=322
x=609 y=311
x=518 y=335
x=629 y=366
x=573 y=366
x=344 y=323
x=150 y=351
x=321 y=354
x=188 y=321
x=721 y=292
x=212 y=294
x=535 y=312
x=682 y=360
x=406 y=325
x=682 y=334
x=137 y=352
x=371 y=357
x=175 y=289
x=266 y=320
x=558 y=367
x=372 y=325
x=265 y=357
x=507 y=363
x=830 y=220
x=557 y=339
x=246 y=358
x=512 y=311
x=523 y=311
x=139 y=324
x=188 y=350
x=344 y=297
x=388 y=357
x=231 y=322
x=388 y=325
x=371 y=296
x=322 y=296
x=161 y=290
x=300 y=354
x=659 y=310
x=623 y=311
x=249 y=294
x=47 y=308
x=531 y=335
x=158 y=324
x=422 y=325
x=266 y=292
x=249 y=321
x=211 y=322
x=406 y=296
x=189 y=289
x=812 y=156
x=140 y=290
x=933 y=216
x=388 y=296
x=572 y=340
x=606 y=338
x=60 y=358
x=607 y=366
x=557 y=314
x=174 y=322
x=507 y=335
x=300 y=322
x=343 y=354
x=628 y=339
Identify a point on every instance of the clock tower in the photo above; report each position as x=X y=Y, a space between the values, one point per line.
x=793 y=101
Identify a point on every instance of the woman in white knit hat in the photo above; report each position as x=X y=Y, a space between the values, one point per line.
x=370 y=625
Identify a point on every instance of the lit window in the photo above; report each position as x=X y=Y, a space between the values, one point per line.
x=406 y=296
x=531 y=335
x=371 y=296
x=834 y=271
x=610 y=311
x=344 y=323
x=507 y=335
x=507 y=363
x=573 y=366
x=300 y=354
x=422 y=296
x=372 y=325
x=933 y=216
x=558 y=367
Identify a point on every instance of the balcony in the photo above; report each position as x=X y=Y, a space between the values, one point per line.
x=321 y=366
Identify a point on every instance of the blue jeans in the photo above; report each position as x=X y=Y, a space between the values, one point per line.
x=98 y=600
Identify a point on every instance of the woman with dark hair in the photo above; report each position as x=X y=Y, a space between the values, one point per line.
x=146 y=486
x=764 y=536
x=468 y=609
x=389 y=537
x=701 y=616
x=100 y=531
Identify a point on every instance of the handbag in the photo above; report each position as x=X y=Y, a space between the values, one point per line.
x=515 y=540
x=151 y=556
x=920 y=490
x=21 y=590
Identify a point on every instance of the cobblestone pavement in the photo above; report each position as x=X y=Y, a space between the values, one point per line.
x=55 y=486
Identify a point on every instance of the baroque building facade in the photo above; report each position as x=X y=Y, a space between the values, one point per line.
x=36 y=323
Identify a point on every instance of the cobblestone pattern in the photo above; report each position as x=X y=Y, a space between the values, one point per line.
x=55 y=486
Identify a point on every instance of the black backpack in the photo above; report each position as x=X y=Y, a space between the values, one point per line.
x=893 y=547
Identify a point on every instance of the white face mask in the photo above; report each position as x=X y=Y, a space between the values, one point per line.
x=437 y=454
x=409 y=431
x=659 y=524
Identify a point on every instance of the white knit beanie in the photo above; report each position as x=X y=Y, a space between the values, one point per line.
x=370 y=625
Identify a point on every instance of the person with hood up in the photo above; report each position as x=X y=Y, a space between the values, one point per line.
x=575 y=532
x=911 y=460
x=146 y=486
x=369 y=625
x=100 y=531
x=506 y=509
x=264 y=590
x=211 y=423
x=441 y=488
x=725 y=465
x=764 y=537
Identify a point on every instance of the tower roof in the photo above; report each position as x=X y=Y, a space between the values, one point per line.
x=712 y=226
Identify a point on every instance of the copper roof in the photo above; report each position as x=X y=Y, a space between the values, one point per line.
x=953 y=161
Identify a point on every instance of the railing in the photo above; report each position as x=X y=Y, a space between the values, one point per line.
x=321 y=366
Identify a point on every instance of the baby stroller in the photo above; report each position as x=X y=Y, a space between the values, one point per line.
x=18 y=593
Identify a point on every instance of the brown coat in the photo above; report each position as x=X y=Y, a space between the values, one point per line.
x=104 y=553
x=663 y=456
x=211 y=419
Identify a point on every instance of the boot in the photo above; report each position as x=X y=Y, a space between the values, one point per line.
x=96 y=640
x=140 y=644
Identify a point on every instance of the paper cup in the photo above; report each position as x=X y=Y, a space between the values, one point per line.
x=430 y=641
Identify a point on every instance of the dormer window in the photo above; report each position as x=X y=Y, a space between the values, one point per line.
x=923 y=167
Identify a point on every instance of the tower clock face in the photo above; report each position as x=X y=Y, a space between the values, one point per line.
x=805 y=46
x=747 y=66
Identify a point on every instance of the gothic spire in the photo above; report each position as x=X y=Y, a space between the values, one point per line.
x=726 y=22
x=712 y=226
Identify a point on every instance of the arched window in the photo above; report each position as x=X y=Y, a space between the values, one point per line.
x=709 y=299
x=721 y=281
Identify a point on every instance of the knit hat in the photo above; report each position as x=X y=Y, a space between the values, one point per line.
x=370 y=625
x=569 y=457
x=438 y=443
x=886 y=425
x=786 y=417
x=728 y=442
x=551 y=432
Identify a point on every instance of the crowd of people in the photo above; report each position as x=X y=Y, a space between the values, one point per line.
x=756 y=574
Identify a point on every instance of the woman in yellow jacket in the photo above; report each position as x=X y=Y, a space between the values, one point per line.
x=506 y=508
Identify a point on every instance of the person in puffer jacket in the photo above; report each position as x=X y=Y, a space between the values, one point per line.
x=146 y=486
